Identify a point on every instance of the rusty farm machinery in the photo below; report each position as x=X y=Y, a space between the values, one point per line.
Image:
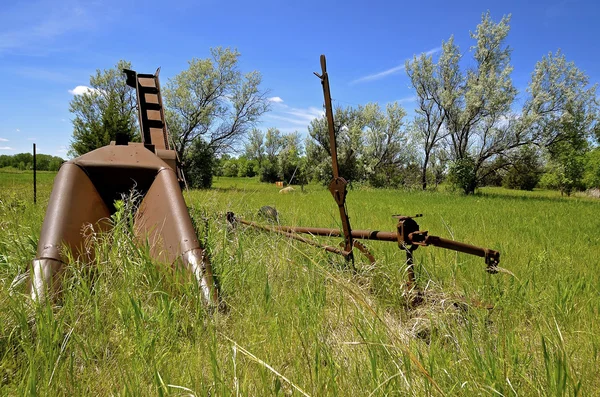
x=85 y=190
x=407 y=235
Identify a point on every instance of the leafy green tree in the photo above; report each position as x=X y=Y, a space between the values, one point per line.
x=269 y=171
x=212 y=100
x=255 y=147
x=474 y=104
x=372 y=144
x=108 y=108
x=592 y=169
x=428 y=125
x=525 y=172
x=349 y=138
x=200 y=164
x=386 y=147
x=562 y=105
x=565 y=114
x=288 y=158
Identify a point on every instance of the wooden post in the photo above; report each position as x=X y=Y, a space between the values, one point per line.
x=34 y=177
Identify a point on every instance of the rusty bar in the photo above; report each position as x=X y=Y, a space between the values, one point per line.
x=329 y=113
x=294 y=236
x=327 y=232
x=460 y=247
x=338 y=185
x=413 y=238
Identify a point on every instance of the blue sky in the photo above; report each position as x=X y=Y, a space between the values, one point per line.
x=49 y=47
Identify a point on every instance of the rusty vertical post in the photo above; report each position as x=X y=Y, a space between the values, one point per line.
x=34 y=177
x=338 y=184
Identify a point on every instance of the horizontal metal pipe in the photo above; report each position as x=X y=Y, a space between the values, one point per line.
x=295 y=237
x=457 y=246
x=373 y=235
x=322 y=231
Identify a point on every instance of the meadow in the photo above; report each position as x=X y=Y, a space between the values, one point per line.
x=298 y=320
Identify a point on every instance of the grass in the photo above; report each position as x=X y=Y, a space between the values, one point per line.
x=299 y=322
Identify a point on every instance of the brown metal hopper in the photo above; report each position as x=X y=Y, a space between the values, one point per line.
x=86 y=188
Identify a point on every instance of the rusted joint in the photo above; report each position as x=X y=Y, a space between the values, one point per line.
x=492 y=259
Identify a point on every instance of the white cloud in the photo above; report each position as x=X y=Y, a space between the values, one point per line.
x=18 y=130
x=433 y=51
x=379 y=75
x=276 y=99
x=408 y=99
x=3 y=140
x=388 y=72
x=81 y=89
x=37 y=27
x=31 y=139
x=6 y=148
x=295 y=118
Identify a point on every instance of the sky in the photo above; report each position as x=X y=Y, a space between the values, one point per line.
x=49 y=48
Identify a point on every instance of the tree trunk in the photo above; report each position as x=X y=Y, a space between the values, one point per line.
x=424 y=173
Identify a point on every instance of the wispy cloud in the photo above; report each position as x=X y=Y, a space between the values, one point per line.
x=276 y=99
x=388 y=72
x=55 y=76
x=81 y=89
x=408 y=99
x=3 y=140
x=35 y=26
x=6 y=148
x=288 y=118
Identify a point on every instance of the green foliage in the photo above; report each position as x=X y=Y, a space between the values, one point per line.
x=525 y=172
x=107 y=109
x=591 y=177
x=463 y=175
x=269 y=171
x=200 y=164
x=24 y=161
x=372 y=144
x=214 y=101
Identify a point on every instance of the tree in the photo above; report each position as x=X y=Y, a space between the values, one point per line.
x=349 y=139
x=288 y=158
x=212 y=100
x=428 y=125
x=385 y=142
x=200 y=165
x=371 y=144
x=592 y=169
x=475 y=104
x=255 y=147
x=108 y=108
x=562 y=106
x=564 y=117
x=526 y=170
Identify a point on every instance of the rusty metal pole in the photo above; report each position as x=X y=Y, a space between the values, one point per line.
x=337 y=186
x=34 y=177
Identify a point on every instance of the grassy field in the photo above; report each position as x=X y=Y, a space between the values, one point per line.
x=299 y=322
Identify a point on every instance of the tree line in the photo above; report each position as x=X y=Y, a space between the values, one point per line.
x=24 y=161
x=467 y=127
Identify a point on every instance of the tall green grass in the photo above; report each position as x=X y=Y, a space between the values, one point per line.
x=298 y=320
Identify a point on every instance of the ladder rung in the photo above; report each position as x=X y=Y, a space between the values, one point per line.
x=146 y=82
x=153 y=115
